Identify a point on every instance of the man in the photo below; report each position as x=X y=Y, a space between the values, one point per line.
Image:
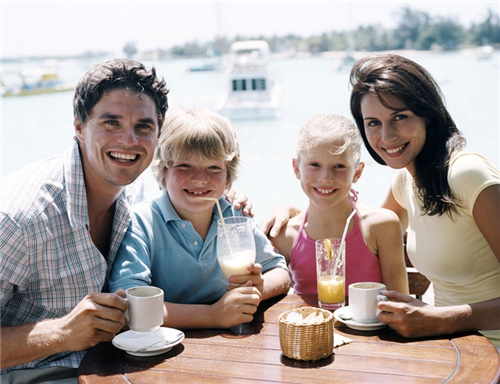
x=62 y=220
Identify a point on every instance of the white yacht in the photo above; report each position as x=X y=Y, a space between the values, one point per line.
x=485 y=52
x=252 y=91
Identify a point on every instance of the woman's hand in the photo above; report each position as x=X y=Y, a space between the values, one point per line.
x=277 y=219
x=413 y=318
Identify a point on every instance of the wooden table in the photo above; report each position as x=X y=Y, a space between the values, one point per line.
x=252 y=354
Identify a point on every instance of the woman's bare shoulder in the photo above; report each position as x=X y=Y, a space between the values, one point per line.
x=376 y=216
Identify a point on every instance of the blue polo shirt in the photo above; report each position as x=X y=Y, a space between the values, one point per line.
x=162 y=250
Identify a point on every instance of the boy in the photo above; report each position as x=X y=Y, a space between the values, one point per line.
x=171 y=242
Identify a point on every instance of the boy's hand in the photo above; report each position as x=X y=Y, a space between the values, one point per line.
x=237 y=306
x=255 y=277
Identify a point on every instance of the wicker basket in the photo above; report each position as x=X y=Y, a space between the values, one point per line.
x=306 y=341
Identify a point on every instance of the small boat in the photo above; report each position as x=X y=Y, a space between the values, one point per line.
x=252 y=91
x=4 y=88
x=38 y=82
x=485 y=52
x=214 y=65
x=347 y=61
x=204 y=67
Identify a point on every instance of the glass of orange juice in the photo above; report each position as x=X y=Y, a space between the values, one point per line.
x=330 y=272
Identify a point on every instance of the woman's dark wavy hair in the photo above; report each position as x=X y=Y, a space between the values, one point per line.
x=119 y=74
x=415 y=87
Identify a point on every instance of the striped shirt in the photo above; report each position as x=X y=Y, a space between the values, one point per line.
x=48 y=262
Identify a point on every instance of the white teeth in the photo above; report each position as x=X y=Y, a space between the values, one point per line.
x=325 y=190
x=122 y=156
x=197 y=193
x=395 y=150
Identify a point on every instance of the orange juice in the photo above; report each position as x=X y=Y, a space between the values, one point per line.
x=331 y=290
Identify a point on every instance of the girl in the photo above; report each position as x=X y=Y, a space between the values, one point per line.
x=327 y=163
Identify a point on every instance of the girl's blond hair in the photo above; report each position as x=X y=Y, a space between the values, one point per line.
x=336 y=130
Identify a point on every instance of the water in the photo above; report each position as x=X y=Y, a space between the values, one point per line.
x=36 y=127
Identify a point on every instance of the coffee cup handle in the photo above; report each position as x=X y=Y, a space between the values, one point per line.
x=382 y=298
x=126 y=311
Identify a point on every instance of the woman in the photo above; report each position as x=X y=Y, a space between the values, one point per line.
x=448 y=200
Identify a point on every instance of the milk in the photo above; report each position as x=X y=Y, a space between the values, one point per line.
x=237 y=263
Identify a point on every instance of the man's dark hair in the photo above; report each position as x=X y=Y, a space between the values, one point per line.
x=119 y=74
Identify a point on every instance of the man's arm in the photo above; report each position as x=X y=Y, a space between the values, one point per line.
x=98 y=317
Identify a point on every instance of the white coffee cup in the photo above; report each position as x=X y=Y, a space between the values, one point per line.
x=363 y=298
x=145 y=308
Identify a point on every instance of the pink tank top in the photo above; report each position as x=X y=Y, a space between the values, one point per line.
x=361 y=264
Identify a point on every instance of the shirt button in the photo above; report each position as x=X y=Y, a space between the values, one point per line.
x=183 y=225
x=195 y=243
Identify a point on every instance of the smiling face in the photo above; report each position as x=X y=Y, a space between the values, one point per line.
x=195 y=176
x=397 y=135
x=326 y=178
x=118 y=140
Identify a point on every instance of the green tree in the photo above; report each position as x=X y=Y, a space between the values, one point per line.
x=319 y=43
x=411 y=25
x=373 y=38
x=487 y=32
x=130 y=49
x=445 y=32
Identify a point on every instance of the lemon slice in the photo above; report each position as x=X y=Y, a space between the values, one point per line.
x=328 y=247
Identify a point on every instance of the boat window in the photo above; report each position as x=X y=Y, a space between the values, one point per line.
x=259 y=84
x=239 y=85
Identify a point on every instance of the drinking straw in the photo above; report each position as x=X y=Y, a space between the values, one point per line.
x=342 y=241
x=222 y=220
x=347 y=226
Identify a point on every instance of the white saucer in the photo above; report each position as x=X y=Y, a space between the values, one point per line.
x=345 y=312
x=165 y=339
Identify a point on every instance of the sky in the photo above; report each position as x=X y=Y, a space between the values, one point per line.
x=55 y=28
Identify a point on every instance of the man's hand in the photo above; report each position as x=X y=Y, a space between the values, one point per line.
x=239 y=202
x=98 y=317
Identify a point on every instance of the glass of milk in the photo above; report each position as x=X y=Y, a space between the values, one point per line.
x=235 y=245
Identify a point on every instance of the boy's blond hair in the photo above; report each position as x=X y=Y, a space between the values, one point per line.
x=200 y=131
x=336 y=130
